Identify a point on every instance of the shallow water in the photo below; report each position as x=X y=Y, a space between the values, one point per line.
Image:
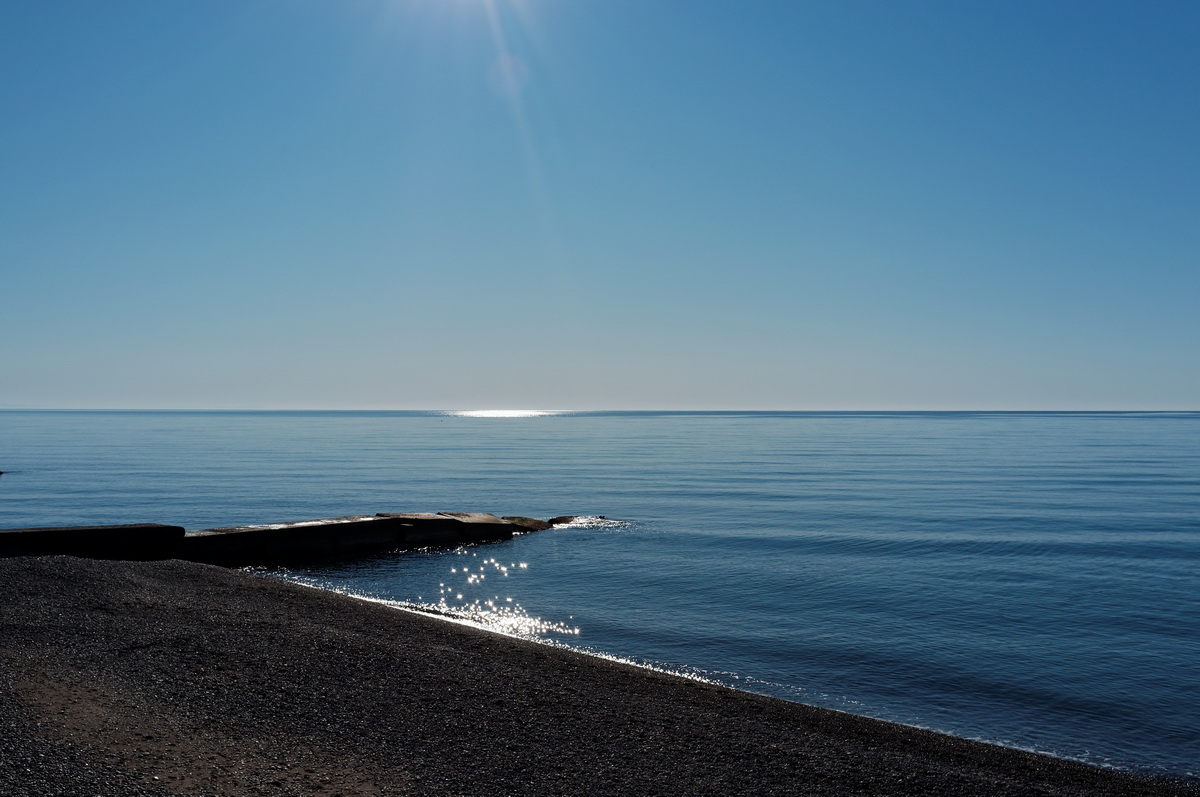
x=1022 y=578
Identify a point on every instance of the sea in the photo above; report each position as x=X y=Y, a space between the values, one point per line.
x=1028 y=579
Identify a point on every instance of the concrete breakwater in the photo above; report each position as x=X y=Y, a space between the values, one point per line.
x=271 y=542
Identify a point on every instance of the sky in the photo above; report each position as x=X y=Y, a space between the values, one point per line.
x=600 y=204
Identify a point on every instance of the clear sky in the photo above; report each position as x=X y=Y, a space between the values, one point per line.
x=600 y=204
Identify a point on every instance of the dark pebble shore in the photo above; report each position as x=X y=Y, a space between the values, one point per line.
x=172 y=678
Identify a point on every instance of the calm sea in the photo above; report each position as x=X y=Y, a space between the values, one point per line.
x=1022 y=578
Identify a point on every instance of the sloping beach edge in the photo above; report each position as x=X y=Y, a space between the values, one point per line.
x=173 y=677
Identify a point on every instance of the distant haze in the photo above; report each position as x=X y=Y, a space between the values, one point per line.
x=552 y=204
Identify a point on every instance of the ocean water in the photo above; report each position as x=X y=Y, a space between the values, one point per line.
x=1028 y=579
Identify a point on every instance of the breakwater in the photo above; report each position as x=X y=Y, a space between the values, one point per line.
x=271 y=542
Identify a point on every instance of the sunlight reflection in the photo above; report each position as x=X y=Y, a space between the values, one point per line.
x=502 y=413
x=493 y=612
x=462 y=598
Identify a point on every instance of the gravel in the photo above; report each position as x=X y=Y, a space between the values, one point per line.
x=176 y=678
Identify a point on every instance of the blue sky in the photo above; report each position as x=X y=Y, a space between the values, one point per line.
x=595 y=204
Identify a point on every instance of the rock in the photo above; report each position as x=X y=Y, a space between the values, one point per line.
x=557 y=521
x=273 y=542
x=126 y=541
x=528 y=523
x=428 y=529
x=482 y=526
x=270 y=542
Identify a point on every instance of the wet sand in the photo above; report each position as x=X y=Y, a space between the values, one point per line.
x=122 y=678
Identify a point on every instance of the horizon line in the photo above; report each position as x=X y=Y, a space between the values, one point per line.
x=564 y=411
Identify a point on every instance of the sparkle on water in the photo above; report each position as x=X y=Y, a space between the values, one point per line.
x=457 y=596
x=503 y=614
x=470 y=569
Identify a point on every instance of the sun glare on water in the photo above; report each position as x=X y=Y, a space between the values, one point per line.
x=501 y=413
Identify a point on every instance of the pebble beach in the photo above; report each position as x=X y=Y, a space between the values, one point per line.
x=176 y=678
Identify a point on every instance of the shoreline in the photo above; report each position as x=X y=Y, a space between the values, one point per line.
x=179 y=678
x=682 y=671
